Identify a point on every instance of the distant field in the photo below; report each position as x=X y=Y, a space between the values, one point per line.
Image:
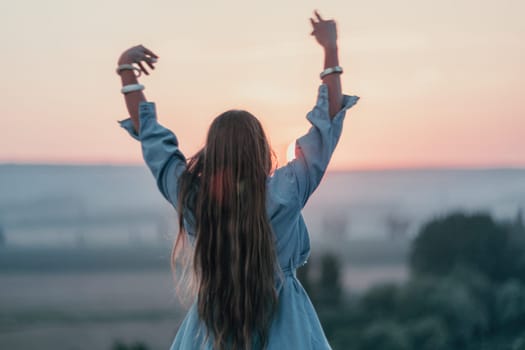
x=88 y=298
x=87 y=310
x=156 y=256
x=157 y=335
x=90 y=310
x=13 y=259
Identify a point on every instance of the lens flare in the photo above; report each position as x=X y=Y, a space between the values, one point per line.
x=290 y=151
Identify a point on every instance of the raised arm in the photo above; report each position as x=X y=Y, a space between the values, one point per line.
x=137 y=54
x=314 y=150
x=160 y=147
x=325 y=32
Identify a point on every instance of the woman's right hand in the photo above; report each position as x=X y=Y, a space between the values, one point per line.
x=138 y=54
x=325 y=31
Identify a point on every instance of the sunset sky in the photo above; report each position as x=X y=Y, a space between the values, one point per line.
x=442 y=83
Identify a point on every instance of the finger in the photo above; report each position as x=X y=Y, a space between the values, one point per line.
x=313 y=22
x=149 y=63
x=142 y=68
x=318 y=16
x=150 y=59
x=149 y=52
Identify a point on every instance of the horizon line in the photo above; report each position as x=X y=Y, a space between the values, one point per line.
x=339 y=170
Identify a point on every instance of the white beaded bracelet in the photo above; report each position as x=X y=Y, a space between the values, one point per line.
x=129 y=67
x=331 y=70
x=131 y=87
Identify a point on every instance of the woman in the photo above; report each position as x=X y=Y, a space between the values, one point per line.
x=243 y=221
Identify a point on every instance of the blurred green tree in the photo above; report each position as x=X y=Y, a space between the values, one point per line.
x=429 y=333
x=466 y=291
x=519 y=343
x=385 y=335
x=119 y=345
x=510 y=304
x=380 y=302
x=329 y=289
x=448 y=300
x=472 y=240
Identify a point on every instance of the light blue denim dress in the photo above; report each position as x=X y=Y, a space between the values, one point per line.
x=296 y=325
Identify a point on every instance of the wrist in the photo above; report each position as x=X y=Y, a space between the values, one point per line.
x=330 y=48
x=331 y=57
x=123 y=59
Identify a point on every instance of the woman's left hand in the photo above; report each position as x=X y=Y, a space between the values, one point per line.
x=138 y=54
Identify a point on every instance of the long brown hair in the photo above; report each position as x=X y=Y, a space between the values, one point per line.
x=234 y=259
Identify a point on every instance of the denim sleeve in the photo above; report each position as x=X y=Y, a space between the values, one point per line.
x=314 y=150
x=160 y=150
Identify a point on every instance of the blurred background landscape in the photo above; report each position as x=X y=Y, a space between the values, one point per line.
x=417 y=259
x=428 y=255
